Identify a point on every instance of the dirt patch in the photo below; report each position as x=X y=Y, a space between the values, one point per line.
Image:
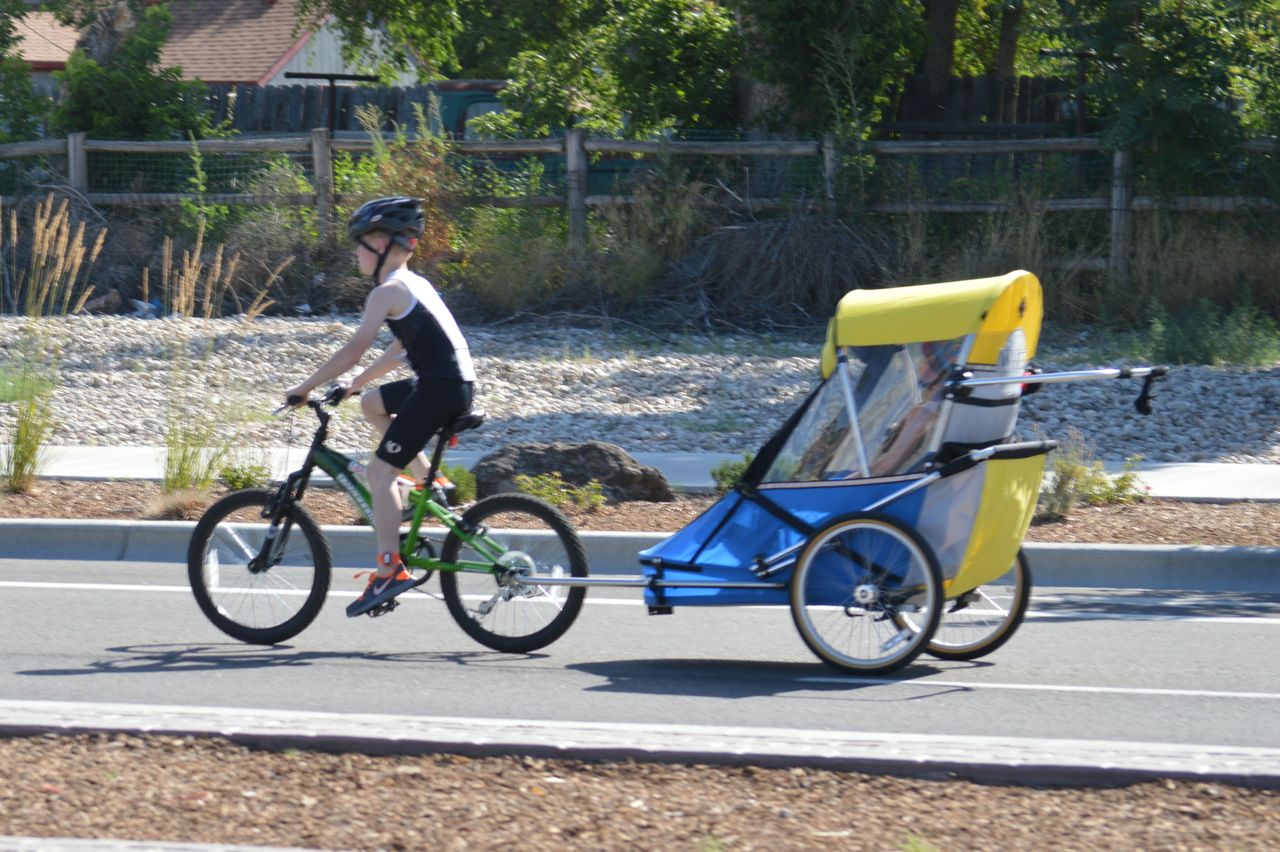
x=209 y=791
x=1147 y=522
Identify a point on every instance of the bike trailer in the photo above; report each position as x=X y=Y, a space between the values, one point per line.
x=913 y=417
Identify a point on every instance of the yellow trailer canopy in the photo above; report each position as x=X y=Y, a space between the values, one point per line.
x=991 y=308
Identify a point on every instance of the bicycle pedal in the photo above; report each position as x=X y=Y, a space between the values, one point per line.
x=383 y=608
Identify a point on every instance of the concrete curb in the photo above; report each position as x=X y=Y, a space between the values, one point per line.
x=1191 y=567
x=935 y=755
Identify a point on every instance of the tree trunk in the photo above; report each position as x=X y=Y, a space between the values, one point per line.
x=1006 y=58
x=103 y=36
x=940 y=49
x=1010 y=30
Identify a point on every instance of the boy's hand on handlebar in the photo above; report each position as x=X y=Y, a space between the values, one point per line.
x=338 y=393
x=296 y=396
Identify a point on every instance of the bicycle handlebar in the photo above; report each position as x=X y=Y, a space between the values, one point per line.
x=331 y=398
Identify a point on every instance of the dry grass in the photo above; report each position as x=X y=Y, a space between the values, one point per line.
x=798 y=265
x=185 y=504
x=1179 y=260
x=56 y=277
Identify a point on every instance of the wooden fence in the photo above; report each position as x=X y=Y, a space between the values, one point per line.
x=575 y=147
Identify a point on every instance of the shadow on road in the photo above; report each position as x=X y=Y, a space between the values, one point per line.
x=731 y=679
x=150 y=659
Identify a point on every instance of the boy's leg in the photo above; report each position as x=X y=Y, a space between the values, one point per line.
x=390 y=577
x=375 y=409
x=417 y=418
x=386 y=507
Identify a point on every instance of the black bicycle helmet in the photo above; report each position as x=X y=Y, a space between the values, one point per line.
x=400 y=216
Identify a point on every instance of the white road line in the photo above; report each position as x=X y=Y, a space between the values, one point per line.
x=928 y=682
x=1032 y=615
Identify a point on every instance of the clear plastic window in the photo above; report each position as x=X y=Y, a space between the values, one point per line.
x=898 y=394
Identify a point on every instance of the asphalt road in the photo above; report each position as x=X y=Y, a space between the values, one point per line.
x=1119 y=665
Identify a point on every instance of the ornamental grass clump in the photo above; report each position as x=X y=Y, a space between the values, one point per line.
x=53 y=281
x=201 y=428
x=29 y=388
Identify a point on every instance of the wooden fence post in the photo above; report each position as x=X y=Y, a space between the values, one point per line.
x=830 y=163
x=322 y=168
x=77 y=163
x=575 y=159
x=1121 y=214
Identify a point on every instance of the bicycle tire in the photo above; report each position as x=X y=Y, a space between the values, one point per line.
x=851 y=581
x=258 y=606
x=505 y=605
x=948 y=643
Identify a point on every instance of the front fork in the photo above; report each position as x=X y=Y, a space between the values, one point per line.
x=276 y=511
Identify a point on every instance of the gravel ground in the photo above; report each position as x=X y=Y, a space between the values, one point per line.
x=171 y=788
x=119 y=378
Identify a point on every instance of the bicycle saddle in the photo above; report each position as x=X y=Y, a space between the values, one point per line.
x=471 y=420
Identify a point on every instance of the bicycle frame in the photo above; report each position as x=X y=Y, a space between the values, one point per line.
x=348 y=472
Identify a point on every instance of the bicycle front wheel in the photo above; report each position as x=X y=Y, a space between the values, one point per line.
x=980 y=621
x=518 y=540
x=854 y=581
x=251 y=590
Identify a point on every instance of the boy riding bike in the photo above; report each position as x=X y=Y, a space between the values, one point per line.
x=407 y=412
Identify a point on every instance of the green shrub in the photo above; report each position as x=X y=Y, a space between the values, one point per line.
x=551 y=488
x=1209 y=334
x=727 y=473
x=463 y=480
x=240 y=475
x=1076 y=478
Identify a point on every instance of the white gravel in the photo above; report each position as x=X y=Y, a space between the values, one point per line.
x=119 y=379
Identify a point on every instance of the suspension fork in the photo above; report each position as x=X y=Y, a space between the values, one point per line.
x=276 y=511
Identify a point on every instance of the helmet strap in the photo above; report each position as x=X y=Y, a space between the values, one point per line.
x=382 y=257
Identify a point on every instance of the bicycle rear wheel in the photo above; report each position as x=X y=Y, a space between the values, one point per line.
x=506 y=608
x=251 y=592
x=853 y=582
x=980 y=621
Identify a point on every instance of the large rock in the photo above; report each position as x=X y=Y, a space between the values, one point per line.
x=622 y=476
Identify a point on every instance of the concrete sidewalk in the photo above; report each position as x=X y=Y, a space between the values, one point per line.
x=691 y=472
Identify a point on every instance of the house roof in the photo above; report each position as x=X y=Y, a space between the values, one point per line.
x=44 y=42
x=217 y=41
x=232 y=41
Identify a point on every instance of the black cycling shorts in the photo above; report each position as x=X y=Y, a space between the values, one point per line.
x=421 y=407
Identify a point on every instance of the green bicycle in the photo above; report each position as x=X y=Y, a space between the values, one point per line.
x=510 y=566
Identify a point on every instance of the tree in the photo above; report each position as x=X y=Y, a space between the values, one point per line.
x=21 y=109
x=421 y=30
x=807 y=47
x=1183 y=80
x=127 y=95
x=638 y=66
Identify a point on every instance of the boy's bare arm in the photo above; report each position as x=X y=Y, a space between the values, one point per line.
x=376 y=309
x=385 y=363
